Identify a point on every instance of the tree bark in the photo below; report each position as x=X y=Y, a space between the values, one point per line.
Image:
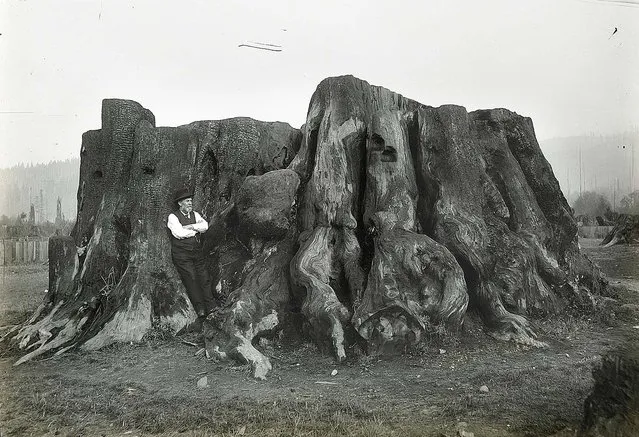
x=116 y=281
x=382 y=218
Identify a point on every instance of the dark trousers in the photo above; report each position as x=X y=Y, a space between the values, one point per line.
x=195 y=276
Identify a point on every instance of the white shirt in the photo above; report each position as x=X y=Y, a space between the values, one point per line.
x=180 y=232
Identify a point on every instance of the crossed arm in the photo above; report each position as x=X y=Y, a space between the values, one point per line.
x=186 y=231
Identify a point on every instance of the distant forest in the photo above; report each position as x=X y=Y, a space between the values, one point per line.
x=40 y=185
x=604 y=164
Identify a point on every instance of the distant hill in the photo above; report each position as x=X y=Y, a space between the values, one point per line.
x=40 y=185
x=606 y=164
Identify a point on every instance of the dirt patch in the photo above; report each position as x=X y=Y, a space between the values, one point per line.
x=152 y=388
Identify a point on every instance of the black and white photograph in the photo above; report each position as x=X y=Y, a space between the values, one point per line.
x=339 y=218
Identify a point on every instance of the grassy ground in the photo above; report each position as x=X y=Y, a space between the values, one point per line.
x=152 y=388
x=21 y=290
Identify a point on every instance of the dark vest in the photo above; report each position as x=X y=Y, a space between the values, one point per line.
x=190 y=244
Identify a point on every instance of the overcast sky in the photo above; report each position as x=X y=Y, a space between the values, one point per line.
x=556 y=61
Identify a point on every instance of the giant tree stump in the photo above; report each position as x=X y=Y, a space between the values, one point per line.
x=382 y=217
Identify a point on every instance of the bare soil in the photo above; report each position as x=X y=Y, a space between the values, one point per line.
x=152 y=388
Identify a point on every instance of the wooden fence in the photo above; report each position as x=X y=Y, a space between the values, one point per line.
x=24 y=250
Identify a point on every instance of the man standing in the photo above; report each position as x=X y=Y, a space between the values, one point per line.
x=186 y=227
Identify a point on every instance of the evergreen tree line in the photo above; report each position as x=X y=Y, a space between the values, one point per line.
x=39 y=193
x=592 y=204
x=604 y=164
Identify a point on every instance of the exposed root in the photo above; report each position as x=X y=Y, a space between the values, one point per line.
x=513 y=327
x=310 y=269
x=68 y=333
x=237 y=346
x=36 y=314
x=245 y=352
x=31 y=328
x=237 y=342
x=612 y=242
x=8 y=328
x=64 y=349
x=337 y=331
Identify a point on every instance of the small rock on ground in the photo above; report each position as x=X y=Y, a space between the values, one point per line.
x=203 y=382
